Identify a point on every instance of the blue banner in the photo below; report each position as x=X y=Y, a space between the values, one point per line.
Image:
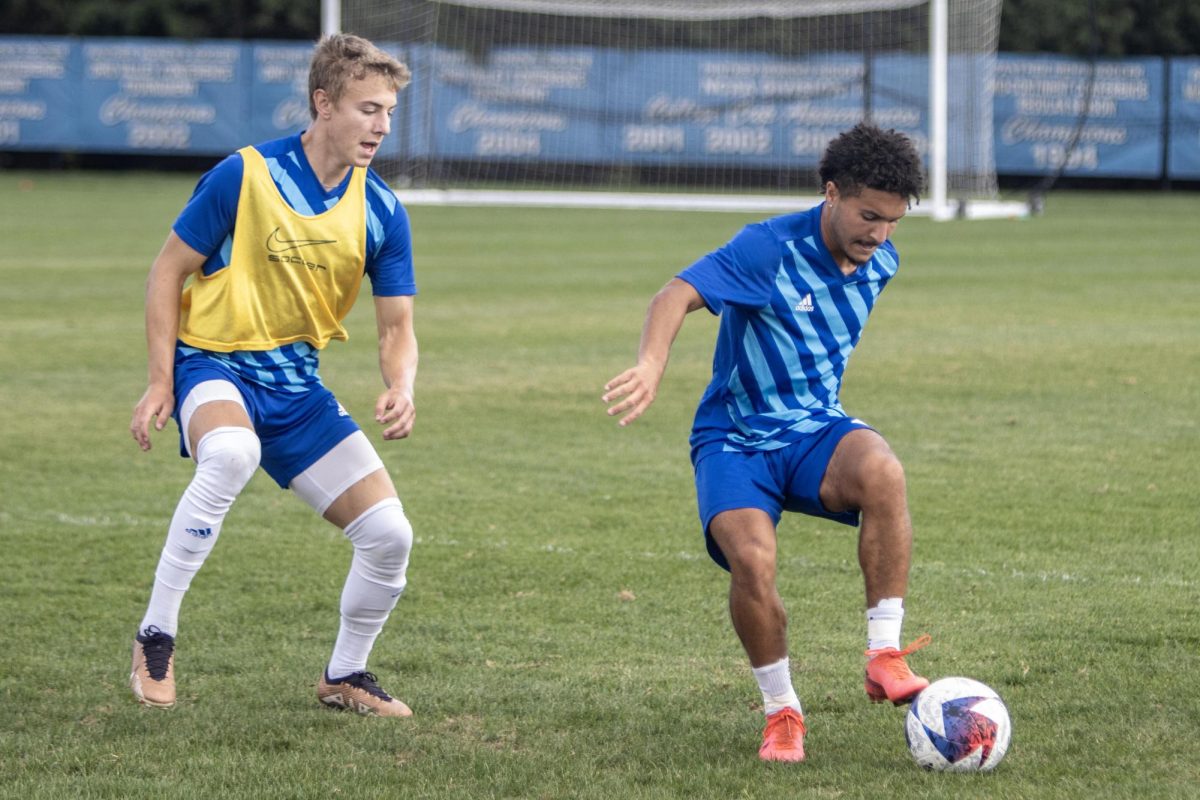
x=606 y=106
x=278 y=91
x=1184 y=150
x=1040 y=99
x=668 y=108
x=39 y=92
x=145 y=96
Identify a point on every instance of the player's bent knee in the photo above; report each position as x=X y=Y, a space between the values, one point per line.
x=382 y=537
x=225 y=461
x=748 y=560
x=885 y=472
x=881 y=482
x=751 y=556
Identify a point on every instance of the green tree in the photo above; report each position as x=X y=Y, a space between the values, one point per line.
x=181 y=19
x=1112 y=28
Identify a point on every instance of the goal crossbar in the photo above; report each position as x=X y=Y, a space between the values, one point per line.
x=736 y=93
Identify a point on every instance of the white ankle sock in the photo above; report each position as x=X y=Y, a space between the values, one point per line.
x=775 y=683
x=884 y=622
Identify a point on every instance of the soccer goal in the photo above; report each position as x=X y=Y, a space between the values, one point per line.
x=688 y=104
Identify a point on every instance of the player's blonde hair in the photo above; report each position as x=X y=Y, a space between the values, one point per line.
x=344 y=57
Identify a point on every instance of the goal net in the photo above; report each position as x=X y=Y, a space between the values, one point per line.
x=702 y=103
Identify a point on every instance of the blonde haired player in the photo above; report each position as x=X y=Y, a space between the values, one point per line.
x=277 y=239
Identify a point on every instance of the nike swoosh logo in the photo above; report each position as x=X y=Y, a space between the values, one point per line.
x=277 y=245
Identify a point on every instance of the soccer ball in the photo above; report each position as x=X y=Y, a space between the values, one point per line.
x=957 y=725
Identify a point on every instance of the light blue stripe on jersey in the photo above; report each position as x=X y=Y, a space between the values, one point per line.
x=786 y=284
x=288 y=369
x=859 y=310
x=843 y=309
x=291 y=368
x=282 y=173
x=790 y=319
x=861 y=298
x=384 y=194
x=747 y=434
x=227 y=249
x=795 y=350
x=758 y=358
x=756 y=440
x=786 y=387
x=387 y=198
x=738 y=390
x=884 y=259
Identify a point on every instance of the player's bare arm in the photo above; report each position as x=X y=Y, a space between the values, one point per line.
x=398 y=363
x=174 y=263
x=632 y=392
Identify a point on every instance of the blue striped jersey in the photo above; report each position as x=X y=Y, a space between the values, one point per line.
x=789 y=321
x=291 y=368
x=206 y=225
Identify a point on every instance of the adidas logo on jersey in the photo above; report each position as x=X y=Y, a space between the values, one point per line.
x=805 y=304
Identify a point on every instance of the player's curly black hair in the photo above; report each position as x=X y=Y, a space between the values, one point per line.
x=868 y=157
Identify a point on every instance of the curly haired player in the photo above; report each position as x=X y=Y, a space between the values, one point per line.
x=770 y=435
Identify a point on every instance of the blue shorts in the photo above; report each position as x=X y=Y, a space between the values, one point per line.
x=787 y=479
x=294 y=428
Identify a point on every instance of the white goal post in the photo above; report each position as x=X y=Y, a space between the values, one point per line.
x=704 y=104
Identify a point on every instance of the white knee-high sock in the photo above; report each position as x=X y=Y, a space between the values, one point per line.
x=382 y=539
x=225 y=460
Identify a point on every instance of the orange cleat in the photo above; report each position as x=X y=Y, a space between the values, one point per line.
x=783 y=739
x=888 y=676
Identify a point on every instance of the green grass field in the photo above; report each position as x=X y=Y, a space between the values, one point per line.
x=564 y=635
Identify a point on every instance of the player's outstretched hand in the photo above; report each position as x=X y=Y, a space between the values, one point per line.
x=154 y=407
x=632 y=392
x=395 y=410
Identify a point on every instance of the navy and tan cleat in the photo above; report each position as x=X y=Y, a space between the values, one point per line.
x=359 y=692
x=152 y=676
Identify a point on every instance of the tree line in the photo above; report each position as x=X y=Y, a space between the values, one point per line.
x=1106 y=28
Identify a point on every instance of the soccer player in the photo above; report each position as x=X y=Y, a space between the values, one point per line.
x=277 y=238
x=793 y=294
